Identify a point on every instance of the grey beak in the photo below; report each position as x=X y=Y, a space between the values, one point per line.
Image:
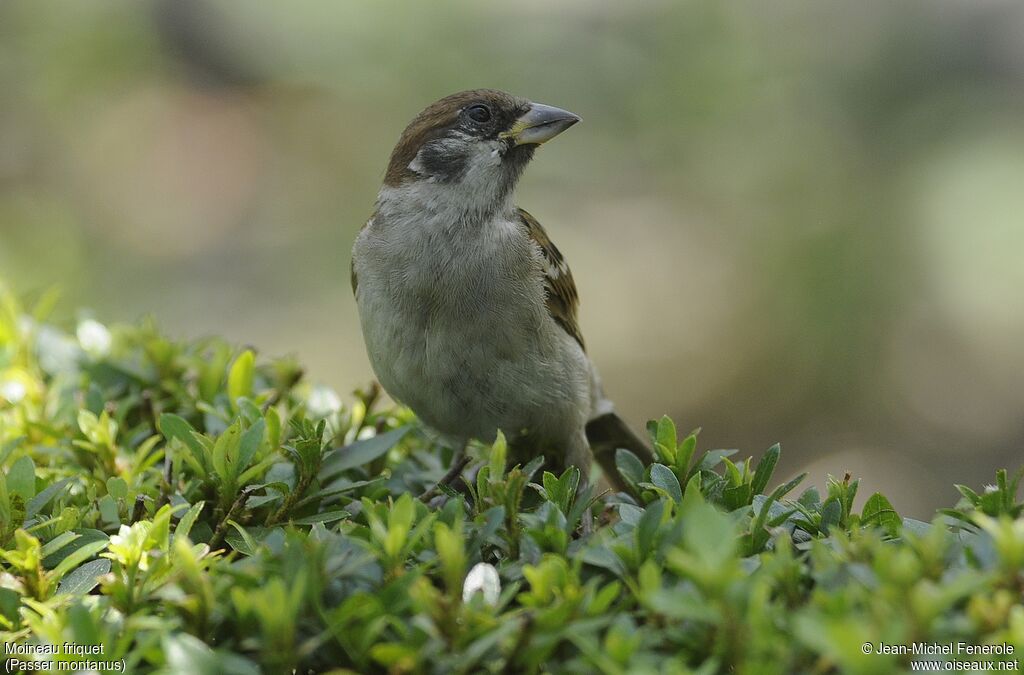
x=539 y=124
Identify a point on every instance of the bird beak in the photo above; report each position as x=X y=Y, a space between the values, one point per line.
x=539 y=124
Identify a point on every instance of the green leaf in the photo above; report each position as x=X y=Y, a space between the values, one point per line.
x=970 y=494
x=497 y=455
x=647 y=528
x=361 y=452
x=240 y=377
x=629 y=466
x=692 y=493
x=551 y=486
x=811 y=498
x=831 y=512
x=273 y=421
x=532 y=467
x=109 y=511
x=736 y=496
x=117 y=487
x=250 y=543
x=686 y=450
x=251 y=440
x=915 y=527
x=325 y=517
x=786 y=488
x=76 y=558
x=58 y=542
x=603 y=557
x=83 y=579
x=7 y=447
x=710 y=535
x=188 y=520
x=713 y=458
x=225 y=456
x=175 y=427
x=212 y=371
x=37 y=503
x=666 y=438
x=732 y=473
x=662 y=477
x=21 y=479
x=188 y=654
x=880 y=513
x=765 y=469
x=87 y=536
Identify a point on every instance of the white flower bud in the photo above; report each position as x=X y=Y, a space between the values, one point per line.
x=94 y=337
x=323 y=401
x=484 y=578
x=13 y=390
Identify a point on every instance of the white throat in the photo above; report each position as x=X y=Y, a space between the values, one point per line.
x=480 y=193
x=451 y=205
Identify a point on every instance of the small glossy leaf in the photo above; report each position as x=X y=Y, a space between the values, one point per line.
x=21 y=479
x=82 y=580
x=879 y=512
x=241 y=375
x=37 y=503
x=831 y=512
x=117 y=487
x=324 y=517
x=109 y=511
x=629 y=466
x=662 y=477
x=250 y=443
x=647 y=528
x=361 y=452
x=76 y=558
x=184 y=526
x=175 y=427
x=765 y=469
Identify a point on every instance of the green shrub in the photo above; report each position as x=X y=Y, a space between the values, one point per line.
x=193 y=509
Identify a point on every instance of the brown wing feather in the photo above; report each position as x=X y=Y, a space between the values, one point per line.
x=562 y=299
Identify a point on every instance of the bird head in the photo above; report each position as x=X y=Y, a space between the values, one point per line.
x=476 y=143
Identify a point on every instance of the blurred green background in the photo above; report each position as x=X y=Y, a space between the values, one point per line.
x=788 y=221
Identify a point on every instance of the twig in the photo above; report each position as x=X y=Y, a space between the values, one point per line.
x=289 y=501
x=369 y=398
x=278 y=392
x=459 y=462
x=149 y=409
x=165 y=479
x=222 y=526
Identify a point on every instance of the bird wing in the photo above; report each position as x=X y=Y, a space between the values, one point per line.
x=560 y=289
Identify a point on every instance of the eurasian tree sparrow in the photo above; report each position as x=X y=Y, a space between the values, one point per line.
x=468 y=310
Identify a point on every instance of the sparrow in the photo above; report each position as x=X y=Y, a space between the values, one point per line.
x=468 y=310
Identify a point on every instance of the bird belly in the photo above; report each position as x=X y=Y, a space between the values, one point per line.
x=471 y=353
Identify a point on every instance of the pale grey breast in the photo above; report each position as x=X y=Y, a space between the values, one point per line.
x=457 y=328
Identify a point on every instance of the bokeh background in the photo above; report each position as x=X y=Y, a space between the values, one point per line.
x=789 y=221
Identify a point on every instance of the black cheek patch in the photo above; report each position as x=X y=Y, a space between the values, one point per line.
x=442 y=163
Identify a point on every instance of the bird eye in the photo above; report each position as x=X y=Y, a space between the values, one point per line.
x=478 y=113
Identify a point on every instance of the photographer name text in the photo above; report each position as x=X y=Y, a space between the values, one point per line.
x=939 y=648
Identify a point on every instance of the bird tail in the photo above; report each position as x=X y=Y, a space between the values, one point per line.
x=606 y=433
